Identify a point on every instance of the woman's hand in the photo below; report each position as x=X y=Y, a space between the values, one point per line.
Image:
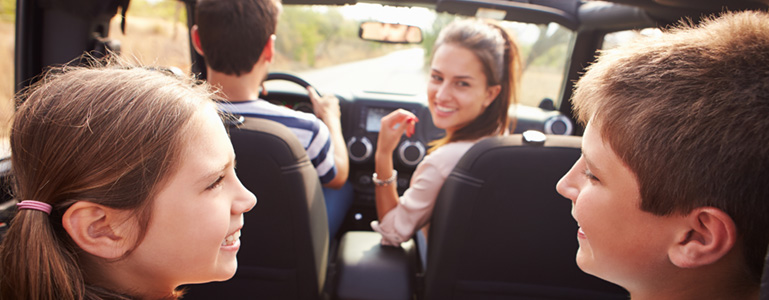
x=392 y=127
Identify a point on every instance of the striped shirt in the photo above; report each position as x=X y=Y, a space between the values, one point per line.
x=312 y=133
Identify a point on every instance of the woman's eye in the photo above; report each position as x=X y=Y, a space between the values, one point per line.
x=436 y=78
x=463 y=83
x=216 y=183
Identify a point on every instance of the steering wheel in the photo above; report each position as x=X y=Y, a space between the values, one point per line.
x=297 y=103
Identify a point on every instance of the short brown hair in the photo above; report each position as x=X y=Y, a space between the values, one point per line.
x=688 y=112
x=498 y=53
x=110 y=135
x=233 y=33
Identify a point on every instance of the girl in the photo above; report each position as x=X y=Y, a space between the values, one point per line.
x=128 y=187
x=473 y=81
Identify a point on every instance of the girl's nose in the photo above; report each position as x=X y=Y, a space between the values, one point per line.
x=245 y=200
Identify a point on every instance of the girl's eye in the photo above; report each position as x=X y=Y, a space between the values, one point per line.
x=436 y=78
x=463 y=83
x=590 y=176
x=216 y=183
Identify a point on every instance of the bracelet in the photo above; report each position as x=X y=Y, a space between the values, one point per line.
x=385 y=182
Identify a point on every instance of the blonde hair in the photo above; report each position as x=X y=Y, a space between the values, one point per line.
x=107 y=134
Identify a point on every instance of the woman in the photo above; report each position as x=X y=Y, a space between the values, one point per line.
x=473 y=81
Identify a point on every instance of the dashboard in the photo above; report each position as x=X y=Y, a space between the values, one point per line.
x=361 y=115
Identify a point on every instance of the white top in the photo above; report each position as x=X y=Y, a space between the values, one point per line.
x=415 y=207
x=311 y=131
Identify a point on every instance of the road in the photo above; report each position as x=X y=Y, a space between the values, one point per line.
x=399 y=72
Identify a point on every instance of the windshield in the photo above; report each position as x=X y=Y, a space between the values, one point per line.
x=321 y=45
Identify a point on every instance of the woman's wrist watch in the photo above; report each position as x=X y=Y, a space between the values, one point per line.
x=388 y=181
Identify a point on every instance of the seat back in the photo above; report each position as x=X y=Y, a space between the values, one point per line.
x=501 y=231
x=284 y=243
x=765 y=279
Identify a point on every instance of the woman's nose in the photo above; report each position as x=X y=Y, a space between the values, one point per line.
x=443 y=92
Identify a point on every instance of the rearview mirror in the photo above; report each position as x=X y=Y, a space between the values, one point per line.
x=390 y=33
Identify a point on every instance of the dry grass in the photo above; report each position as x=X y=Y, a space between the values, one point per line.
x=146 y=41
x=153 y=42
x=6 y=77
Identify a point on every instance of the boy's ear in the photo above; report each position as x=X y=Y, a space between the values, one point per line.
x=707 y=235
x=98 y=230
x=195 y=37
x=269 y=49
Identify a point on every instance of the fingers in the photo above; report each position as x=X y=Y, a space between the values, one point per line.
x=402 y=121
x=314 y=96
x=411 y=125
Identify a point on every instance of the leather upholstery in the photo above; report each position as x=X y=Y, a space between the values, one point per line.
x=501 y=231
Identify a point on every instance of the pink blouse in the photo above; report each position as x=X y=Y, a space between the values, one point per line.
x=415 y=207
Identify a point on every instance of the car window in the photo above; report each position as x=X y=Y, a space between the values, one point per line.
x=325 y=50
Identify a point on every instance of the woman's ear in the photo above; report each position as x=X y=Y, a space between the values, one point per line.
x=101 y=231
x=491 y=93
x=707 y=235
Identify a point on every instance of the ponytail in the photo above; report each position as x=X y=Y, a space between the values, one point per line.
x=42 y=267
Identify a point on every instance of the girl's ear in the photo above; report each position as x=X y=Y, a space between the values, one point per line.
x=708 y=235
x=101 y=231
x=491 y=93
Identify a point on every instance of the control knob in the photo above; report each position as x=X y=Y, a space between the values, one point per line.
x=411 y=152
x=359 y=148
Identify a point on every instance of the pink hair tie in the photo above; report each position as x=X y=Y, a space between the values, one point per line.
x=35 y=205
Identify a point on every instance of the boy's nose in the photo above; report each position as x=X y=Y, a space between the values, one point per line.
x=566 y=188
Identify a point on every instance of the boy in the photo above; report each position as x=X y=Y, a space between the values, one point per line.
x=237 y=39
x=672 y=190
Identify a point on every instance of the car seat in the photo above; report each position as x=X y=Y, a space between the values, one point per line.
x=501 y=231
x=284 y=242
x=765 y=279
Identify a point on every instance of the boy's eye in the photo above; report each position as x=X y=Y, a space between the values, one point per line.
x=590 y=175
x=216 y=183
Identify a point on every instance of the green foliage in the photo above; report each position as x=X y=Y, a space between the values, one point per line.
x=312 y=37
x=8 y=11
x=430 y=35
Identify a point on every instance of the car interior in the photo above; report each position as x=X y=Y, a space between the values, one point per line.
x=499 y=229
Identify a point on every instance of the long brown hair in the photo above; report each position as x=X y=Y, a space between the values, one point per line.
x=498 y=53
x=106 y=134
